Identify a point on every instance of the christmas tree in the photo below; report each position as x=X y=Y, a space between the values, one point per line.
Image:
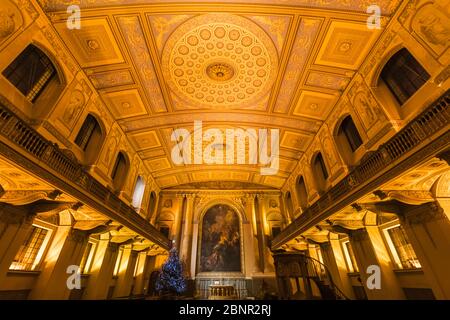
x=171 y=278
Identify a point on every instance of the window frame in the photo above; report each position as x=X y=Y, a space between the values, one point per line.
x=351 y=268
x=395 y=257
x=42 y=251
x=39 y=86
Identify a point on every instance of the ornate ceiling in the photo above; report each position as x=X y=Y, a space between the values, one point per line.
x=160 y=65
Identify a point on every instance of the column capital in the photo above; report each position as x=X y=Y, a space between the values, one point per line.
x=250 y=196
x=16 y=214
x=445 y=156
x=422 y=213
x=359 y=235
x=77 y=235
x=190 y=196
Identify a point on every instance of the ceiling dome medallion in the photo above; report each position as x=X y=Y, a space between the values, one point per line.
x=220 y=71
x=219 y=61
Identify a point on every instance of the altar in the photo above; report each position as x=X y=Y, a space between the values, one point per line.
x=222 y=292
x=221 y=288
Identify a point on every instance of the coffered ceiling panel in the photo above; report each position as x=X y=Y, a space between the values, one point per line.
x=314 y=104
x=160 y=65
x=144 y=140
x=92 y=45
x=126 y=103
x=293 y=140
x=346 y=44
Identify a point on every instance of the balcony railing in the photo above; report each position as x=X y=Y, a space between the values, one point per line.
x=424 y=126
x=19 y=134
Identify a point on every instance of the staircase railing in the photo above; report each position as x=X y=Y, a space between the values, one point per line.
x=291 y=267
x=320 y=271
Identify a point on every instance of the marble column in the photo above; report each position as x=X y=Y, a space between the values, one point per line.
x=140 y=275
x=253 y=265
x=369 y=249
x=263 y=239
x=186 y=242
x=66 y=249
x=260 y=232
x=102 y=269
x=126 y=272
x=428 y=230
x=15 y=226
x=334 y=260
x=179 y=220
x=283 y=210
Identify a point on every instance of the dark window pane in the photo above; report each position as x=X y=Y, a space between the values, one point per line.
x=351 y=133
x=164 y=231
x=86 y=131
x=30 y=72
x=404 y=75
x=320 y=167
x=275 y=231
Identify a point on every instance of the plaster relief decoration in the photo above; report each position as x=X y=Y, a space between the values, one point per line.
x=134 y=37
x=163 y=25
x=365 y=105
x=304 y=41
x=75 y=104
x=346 y=44
x=432 y=24
x=10 y=20
x=92 y=45
x=329 y=149
x=219 y=61
x=111 y=79
x=220 y=240
x=386 y=6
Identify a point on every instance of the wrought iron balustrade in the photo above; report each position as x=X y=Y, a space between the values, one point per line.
x=424 y=126
x=20 y=136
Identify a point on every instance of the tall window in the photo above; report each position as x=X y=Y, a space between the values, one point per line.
x=119 y=171
x=302 y=194
x=350 y=132
x=401 y=248
x=165 y=231
x=352 y=266
x=89 y=129
x=30 y=72
x=88 y=257
x=276 y=231
x=138 y=193
x=118 y=261
x=290 y=206
x=320 y=171
x=404 y=75
x=31 y=251
x=152 y=203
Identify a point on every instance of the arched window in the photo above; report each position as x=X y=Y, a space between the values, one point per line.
x=120 y=171
x=152 y=203
x=138 y=193
x=31 y=72
x=90 y=138
x=290 y=206
x=403 y=75
x=302 y=194
x=320 y=171
x=349 y=131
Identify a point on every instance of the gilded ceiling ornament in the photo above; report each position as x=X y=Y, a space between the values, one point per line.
x=220 y=60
